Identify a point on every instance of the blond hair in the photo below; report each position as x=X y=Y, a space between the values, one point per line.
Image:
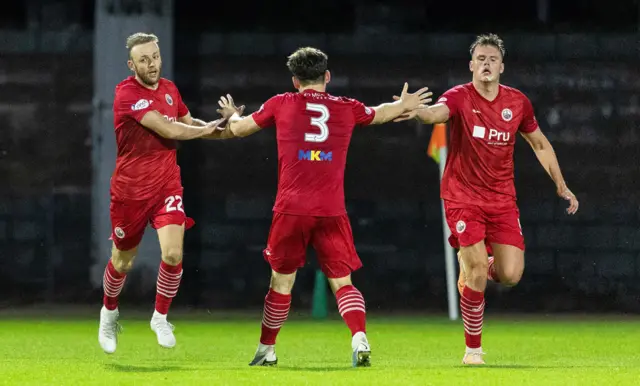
x=140 y=38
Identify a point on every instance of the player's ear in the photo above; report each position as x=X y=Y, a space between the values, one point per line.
x=130 y=65
x=327 y=77
x=471 y=65
x=501 y=67
x=296 y=82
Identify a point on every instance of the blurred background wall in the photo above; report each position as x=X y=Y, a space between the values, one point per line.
x=576 y=60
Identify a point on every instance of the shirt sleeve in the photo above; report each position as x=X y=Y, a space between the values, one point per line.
x=182 y=108
x=266 y=115
x=363 y=115
x=452 y=98
x=131 y=103
x=529 y=122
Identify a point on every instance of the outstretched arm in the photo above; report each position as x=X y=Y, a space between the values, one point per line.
x=433 y=114
x=237 y=125
x=406 y=103
x=155 y=122
x=438 y=113
x=221 y=133
x=218 y=134
x=191 y=121
x=242 y=126
x=547 y=158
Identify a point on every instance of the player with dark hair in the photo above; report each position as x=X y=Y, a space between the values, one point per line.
x=478 y=182
x=313 y=130
x=149 y=116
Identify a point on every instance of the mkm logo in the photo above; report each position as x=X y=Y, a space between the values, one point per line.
x=314 y=155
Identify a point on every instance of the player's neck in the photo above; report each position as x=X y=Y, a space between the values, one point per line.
x=154 y=87
x=488 y=90
x=313 y=87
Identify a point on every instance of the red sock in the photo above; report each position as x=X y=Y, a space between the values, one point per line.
x=492 y=274
x=352 y=309
x=472 y=310
x=276 y=310
x=167 y=286
x=112 y=283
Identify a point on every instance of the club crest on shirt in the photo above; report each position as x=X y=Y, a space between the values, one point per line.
x=169 y=100
x=118 y=232
x=507 y=115
x=461 y=226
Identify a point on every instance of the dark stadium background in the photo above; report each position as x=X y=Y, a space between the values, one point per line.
x=576 y=60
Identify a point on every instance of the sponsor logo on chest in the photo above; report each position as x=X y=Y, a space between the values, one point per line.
x=315 y=155
x=495 y=136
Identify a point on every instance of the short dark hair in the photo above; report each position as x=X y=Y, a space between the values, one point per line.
x=308 y=64
x=488 y=40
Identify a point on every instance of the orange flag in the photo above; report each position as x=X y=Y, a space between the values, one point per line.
x=438 y=141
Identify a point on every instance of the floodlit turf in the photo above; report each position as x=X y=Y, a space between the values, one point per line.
x=406 y=351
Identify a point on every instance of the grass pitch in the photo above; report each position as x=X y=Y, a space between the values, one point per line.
x=405 y=351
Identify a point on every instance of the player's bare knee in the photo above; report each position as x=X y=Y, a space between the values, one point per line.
x=123 y=260
x=338 y=283
x=282 y=283
x=509 y=264
x=511 y=276
x=172 y=256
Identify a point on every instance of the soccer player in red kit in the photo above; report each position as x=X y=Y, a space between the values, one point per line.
x=313 y=131
x=149 y=116
x=478 y=182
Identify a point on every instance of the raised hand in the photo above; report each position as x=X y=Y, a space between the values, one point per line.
x=422 y=94
x=416 y=100
x=228 y=107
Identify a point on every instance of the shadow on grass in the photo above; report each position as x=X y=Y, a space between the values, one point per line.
x=317 y=369
x=142 y=369
x=532 y=367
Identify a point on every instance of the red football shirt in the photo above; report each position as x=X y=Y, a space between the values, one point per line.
x=479 y=167
x=145 y=161
x=313 y=131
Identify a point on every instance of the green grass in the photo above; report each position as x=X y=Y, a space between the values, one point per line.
x=406 y=351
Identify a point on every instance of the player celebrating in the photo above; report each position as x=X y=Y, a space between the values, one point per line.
x=313 y=130
x=149 y=116
x=477 y=186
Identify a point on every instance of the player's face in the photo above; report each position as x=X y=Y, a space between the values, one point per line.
x=146 y=62
x=486 y=64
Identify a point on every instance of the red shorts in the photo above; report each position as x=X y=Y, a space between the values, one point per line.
x=331 y=237
x=129 y=218
x=471 y=224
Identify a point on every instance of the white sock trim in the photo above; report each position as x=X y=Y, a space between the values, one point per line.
x=157 y=315
x=265 y=347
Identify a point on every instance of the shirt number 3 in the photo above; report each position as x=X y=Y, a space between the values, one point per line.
x=319 y=122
